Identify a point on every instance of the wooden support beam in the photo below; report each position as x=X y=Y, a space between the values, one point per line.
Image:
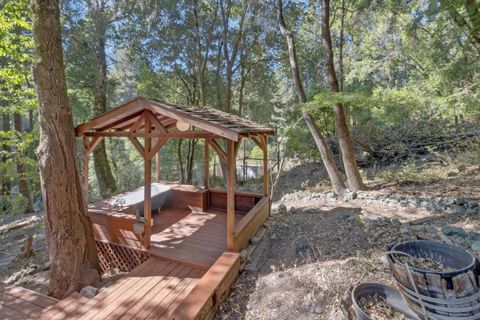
x=231 y=167
x=147 y=203
x=156 y=148
x=171 y=134
x=237 y=145
x=90 y=145
x=127 y=120
x=132 y=106
x=85 y=160
x=138 y=146
x=221 y=154
x=158 y=125
x=136 y=125
x=265 y=165
x=157 y=166
x=207 y=165
x=258 y=142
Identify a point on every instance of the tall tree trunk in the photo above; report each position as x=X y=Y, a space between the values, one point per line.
x=71 y=246
x=325 y=152
x=190 y=160
x=218 y=70
x=292 y=54
x=6 y=149
x=180 y=159
x=22 y=179
x=348 y=155
x=106 y=181
x=230 y=55
x=241 y=89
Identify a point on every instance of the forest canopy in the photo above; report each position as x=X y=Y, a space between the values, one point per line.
x=404 y=68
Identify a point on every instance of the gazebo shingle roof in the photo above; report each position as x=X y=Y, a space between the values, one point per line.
x=121 y=118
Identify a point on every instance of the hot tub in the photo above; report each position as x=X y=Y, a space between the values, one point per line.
x=135 y=199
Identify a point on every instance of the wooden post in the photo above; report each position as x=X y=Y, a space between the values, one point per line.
x=85 y=160
x=157 y=166
x=265 y=165
x=147 y=202
x=230 y=195
x=207 y=164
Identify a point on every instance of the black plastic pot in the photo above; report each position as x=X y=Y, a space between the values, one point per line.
x=392 y=297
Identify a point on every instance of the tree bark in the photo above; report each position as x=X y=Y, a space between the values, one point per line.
x=106 y=181
x=348 y=155
x=71 y=246
x=325 y=152
x=5 y=180
x=231 y=55
x=22 y=179
x=292 y=54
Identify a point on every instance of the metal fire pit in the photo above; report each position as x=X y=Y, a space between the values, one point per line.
x=448 y=295
x=392 y=297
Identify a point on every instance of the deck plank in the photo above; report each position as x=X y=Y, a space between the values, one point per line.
x=151 y=294
x=11 y=314
x=138 y=295
x=21 y=303
x=30 y=296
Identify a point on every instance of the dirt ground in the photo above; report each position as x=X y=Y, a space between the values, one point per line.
x=315 y=252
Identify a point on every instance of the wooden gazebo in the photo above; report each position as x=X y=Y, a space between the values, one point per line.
x=155 y=122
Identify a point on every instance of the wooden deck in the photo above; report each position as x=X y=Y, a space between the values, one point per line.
x=157 y=289
x=153 y=290
x=194 y=237
x=22 y=304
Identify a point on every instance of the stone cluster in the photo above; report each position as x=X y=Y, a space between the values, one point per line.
x=438 y=204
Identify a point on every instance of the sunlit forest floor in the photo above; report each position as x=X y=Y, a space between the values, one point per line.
x=314 y=249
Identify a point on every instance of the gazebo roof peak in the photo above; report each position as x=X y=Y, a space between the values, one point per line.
x=121 y=120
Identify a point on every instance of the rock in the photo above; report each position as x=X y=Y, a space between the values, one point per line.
x=473 y=236
x=354 y=218
x=459 y=241
x=292 y=210
x=32 y=269
x=254 y=240
x=453 y=231
x=349 y=195
x=471 y=211
x=476 y=246
x=89 y=291
x=318 y=310
x=278 y=209
x=456 y=208
x=342 y=215
x=395 y=222
x=330 y=195
x=459 y=201
x=419 y=228
x=472 y=203
x=244 y=254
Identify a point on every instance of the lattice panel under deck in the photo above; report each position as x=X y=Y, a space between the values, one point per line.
x=119 y=257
